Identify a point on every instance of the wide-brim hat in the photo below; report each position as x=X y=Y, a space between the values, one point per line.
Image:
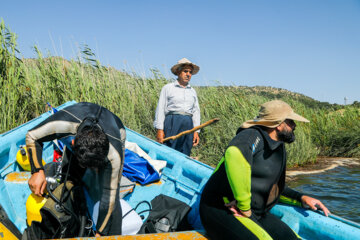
x=185 y=61
x=272 y=114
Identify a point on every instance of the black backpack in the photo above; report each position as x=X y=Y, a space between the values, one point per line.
x=167 y=215
x=64 y=215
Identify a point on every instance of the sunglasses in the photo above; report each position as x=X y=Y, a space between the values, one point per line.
x=290 y=122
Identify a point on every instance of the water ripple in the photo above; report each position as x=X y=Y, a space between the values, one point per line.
x=338 y=189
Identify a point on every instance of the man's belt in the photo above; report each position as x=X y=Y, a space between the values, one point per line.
x=179 y=113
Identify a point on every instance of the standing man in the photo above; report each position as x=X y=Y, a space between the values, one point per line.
x=98 y=147
x=178 y=109
x=250 y=179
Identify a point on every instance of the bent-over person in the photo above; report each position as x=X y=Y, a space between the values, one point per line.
x=98 y=147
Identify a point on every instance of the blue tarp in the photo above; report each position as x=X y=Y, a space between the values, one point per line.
x=138 y=169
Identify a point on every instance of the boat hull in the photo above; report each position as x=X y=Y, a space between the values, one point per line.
x=183 y=178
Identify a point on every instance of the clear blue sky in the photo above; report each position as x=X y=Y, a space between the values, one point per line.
x=306 y=46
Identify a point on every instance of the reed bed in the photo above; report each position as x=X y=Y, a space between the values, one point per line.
x=26 y=85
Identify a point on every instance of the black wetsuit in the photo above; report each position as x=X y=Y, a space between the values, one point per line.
x=64 y=124
x=252 y=172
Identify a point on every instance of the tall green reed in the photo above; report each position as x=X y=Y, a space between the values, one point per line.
x=28 y=84
x=11 y=80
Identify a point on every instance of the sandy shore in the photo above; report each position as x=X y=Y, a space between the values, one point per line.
x=322 y=164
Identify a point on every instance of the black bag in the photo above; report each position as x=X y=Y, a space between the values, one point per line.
x=64 y=215
x=167 y=215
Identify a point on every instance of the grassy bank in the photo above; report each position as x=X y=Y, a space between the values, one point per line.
x=27 y=84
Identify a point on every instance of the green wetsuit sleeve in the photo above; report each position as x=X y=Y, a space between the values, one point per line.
x=291 y=197
x=238 y=172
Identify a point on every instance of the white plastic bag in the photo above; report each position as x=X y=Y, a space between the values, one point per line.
x=131 y=223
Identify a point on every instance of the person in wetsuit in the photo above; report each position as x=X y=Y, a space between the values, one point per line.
x=250 y=179
x=98 y=149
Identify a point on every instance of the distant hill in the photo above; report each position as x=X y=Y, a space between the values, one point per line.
x=280 y=93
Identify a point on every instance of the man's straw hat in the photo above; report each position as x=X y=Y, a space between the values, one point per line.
x=272 y=114
x=182 y=62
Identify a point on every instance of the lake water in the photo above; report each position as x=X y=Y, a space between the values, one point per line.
x=338 y=189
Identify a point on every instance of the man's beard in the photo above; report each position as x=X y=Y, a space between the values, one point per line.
x=286 y=136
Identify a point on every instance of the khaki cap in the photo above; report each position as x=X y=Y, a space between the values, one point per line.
x=185 y=61
x=272 y=114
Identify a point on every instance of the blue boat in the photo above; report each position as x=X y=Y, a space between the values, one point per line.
x=183 y=178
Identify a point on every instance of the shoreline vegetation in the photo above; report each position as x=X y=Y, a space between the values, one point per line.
x=26 y=85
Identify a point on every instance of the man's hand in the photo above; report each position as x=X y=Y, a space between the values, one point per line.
x=196 y=139
x=160 y=135
x=314 y=204
x=236 y=211
x=37 y=183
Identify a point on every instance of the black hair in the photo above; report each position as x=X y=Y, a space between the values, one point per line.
x=91 y=147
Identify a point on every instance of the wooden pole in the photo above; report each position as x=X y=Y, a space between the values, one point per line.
x=192 y=130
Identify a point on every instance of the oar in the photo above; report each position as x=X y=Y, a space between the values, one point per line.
x=192 y=130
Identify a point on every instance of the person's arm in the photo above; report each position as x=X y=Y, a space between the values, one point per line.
x=160 y=115
x=196 y=139
x=232 y=206
x=109 y=180
x=292 y=197
x=160 y=135
x=54 y=127
x=37 y=183
x=196 y=112
x=314 y=204
x=238 y=170
x=196 y=120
